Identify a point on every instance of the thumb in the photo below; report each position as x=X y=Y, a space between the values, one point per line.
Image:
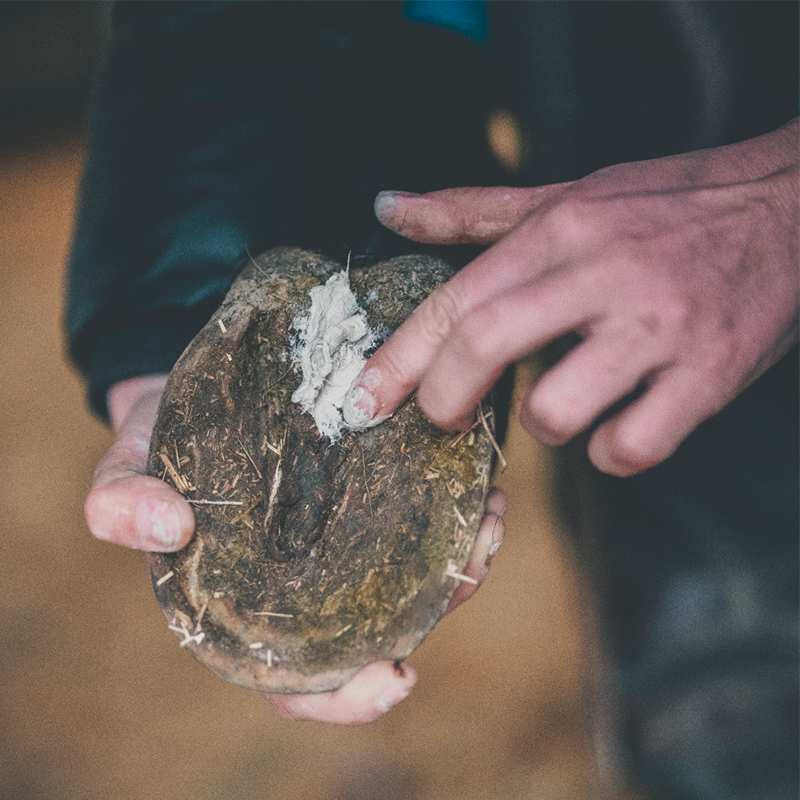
x=471 y=215
x=125 y=506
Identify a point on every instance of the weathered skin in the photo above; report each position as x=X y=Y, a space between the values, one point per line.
x=325 y=557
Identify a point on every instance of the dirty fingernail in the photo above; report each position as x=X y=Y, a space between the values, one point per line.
x=360 y=406
x=158 y=523
x=386 y=201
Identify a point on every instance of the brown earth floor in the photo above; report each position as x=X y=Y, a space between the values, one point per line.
x=98 y=701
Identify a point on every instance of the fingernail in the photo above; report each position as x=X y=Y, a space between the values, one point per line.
x=392 y=698
x=497 y=531
x=158 y=522
x=386 y=201
x=493 y=515
x=360 y=406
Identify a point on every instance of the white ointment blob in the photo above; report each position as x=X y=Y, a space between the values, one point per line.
x=333 y=337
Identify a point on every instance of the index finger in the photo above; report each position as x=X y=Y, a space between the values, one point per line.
x=397 y=367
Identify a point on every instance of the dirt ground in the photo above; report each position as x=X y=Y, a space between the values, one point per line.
x=98 y=701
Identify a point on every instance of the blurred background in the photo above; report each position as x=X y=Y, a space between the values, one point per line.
x=96 y=698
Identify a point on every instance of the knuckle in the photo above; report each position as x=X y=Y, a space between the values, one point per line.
x=126 y=458
x=672 y=313
x=653 y=330
x=475 y=337
x=440 y=313
x=573 y=220
x=396 y=368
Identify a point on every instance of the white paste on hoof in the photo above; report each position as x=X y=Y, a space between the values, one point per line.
x=333 y=338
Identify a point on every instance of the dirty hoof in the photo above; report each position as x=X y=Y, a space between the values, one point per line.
x=312 y=557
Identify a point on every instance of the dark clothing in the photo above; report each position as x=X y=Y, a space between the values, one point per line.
x=223 y=127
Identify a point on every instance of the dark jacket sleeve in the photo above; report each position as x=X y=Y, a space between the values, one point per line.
x=222 y=127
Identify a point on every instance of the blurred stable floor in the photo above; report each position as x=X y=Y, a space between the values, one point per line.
x=98 y=701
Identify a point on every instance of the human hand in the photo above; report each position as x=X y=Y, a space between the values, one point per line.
x=124 y=505
x=679 y=275
x=129 y=508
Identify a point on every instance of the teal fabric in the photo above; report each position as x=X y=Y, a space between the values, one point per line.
x=467 y=17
